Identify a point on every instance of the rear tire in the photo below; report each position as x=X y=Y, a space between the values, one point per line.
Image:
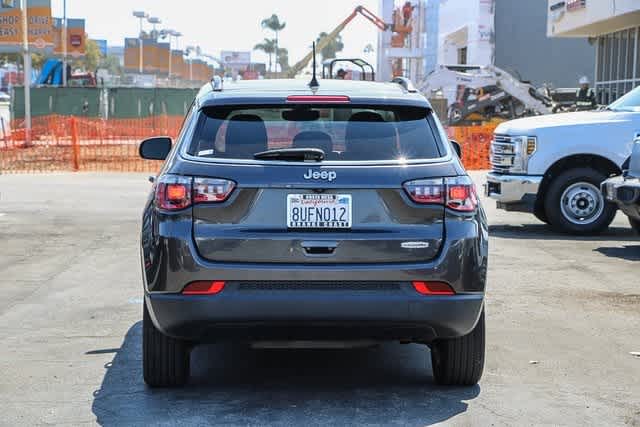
x=635 y=224
x=460 y=361
x=541 y=215
x=165 y=360
x=575 y=205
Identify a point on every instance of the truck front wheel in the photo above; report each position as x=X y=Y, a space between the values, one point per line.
x=575 y=205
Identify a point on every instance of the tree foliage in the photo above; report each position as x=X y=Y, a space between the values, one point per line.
x=92 y=55
x=268 y=46
x=283 y=59
x=330 y=50
x=273 y=23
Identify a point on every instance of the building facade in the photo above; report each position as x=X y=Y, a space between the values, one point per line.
x=511 y=34
x=613 y=26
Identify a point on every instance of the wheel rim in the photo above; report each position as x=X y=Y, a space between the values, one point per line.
x=582 y=203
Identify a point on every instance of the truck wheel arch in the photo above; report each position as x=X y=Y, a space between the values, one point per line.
x=593 y=161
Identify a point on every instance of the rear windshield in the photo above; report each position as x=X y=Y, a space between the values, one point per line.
x=343 y=133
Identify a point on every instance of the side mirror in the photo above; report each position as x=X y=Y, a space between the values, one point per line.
x=456 y=147
x=156 y=148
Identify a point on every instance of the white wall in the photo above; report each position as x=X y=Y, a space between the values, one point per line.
x=596 y=18
x=475 y=16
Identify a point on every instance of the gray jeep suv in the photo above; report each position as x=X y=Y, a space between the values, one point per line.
x=335 y=214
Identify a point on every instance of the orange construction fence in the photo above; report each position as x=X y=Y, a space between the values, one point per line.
x=64 y=143
x=475 y=142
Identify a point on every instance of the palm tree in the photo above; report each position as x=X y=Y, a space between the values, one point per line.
x=331 y=49
x=283 y=59
x=273 y=23
x=268 y=46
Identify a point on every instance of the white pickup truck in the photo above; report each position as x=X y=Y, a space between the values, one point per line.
x=553 y=165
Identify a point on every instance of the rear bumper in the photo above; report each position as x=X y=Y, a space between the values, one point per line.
x=513 y=192
x=252 y=315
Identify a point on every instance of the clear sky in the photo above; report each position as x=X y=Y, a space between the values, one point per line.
x=218 y=25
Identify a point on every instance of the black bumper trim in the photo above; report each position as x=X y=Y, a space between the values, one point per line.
x=294 y=314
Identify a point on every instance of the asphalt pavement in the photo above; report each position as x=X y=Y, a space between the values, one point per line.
x=563 y=317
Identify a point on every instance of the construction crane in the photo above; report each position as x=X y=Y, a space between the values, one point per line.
x=359 y=10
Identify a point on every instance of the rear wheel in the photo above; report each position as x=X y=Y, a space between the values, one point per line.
x=635 y=224
x=574 y=203
x=541 y=215
x=459 y=361
x=165 y=360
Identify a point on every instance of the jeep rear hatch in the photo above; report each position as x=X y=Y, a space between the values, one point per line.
x=377 y=195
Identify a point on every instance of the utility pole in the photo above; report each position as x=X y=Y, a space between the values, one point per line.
x=141 y=15
x=64 y=43
x=27 y=72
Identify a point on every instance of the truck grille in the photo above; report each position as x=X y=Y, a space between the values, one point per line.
x=503 y=153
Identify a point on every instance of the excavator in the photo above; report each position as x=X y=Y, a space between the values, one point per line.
x=359 y=10
x=485 y=93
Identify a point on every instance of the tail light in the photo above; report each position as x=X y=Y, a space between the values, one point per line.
x=179 y=192
x=461 y=194
x=426 y=191
x=457 y=193
x=173 y=193
x=207 y=190
x=433 y=288
x=204 y=287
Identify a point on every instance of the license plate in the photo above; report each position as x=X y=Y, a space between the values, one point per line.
x=319 y=210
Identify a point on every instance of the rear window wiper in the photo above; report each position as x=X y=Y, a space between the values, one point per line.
x=291 y=154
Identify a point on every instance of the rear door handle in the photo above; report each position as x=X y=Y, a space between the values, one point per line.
x=319 y=248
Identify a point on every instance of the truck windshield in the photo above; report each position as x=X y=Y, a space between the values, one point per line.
x=629 y=102
x=342 y=133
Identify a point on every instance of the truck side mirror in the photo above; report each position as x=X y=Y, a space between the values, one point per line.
x=156 y=148
x=456 y=147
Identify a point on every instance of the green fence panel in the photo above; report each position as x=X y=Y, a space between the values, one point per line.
x=121 y=102
x=51 y=100
x=126 y=103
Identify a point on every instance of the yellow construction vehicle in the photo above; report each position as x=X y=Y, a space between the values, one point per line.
x=359 y=10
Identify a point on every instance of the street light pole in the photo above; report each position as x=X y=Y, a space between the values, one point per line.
x=176 y=35
x=141 y=16
x=27 y=72
x=64 y=43
x=141 y=58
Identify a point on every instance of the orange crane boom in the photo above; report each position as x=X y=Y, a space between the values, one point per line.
x=375 y=20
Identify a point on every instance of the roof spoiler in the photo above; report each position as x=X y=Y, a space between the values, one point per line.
x=405 y=83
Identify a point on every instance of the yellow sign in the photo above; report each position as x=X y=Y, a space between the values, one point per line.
x=40 y=25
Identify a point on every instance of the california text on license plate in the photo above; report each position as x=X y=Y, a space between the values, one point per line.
x=319 y=210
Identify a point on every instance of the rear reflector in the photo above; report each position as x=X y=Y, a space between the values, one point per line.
x=319 y=99
x=433 y=288
x=203 y=288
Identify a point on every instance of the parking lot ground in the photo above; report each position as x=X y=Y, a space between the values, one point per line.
x=563 y=315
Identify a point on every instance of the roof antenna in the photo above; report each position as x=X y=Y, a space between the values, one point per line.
x=314 y=81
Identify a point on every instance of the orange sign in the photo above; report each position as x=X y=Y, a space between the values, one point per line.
x=40 y=25
x=162 y=58
x=132 y=55
x=76 y=37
